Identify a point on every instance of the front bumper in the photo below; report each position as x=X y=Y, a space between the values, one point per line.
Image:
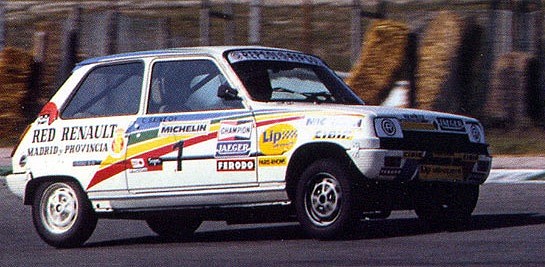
x=17 y=183
x=399 y=165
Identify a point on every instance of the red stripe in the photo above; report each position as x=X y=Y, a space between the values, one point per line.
x=116 y=168
x=268 y=122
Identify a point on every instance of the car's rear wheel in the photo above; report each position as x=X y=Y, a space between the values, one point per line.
x=62 y=214
x=325 y=201
x=174 y=227
x=438 y=203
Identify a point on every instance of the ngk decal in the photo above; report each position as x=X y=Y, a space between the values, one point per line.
x=235 y=165
x=235 y=130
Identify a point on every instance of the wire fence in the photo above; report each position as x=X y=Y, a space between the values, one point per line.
x=60 y=33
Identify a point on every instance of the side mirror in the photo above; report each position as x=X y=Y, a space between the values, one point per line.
x=227 y=93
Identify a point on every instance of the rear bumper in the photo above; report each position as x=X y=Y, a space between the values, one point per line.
x=17 y=183
x=399 y=165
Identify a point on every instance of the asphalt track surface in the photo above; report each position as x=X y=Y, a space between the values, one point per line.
x=507 y=228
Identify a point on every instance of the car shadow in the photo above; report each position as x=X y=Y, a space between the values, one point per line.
x=370 y=229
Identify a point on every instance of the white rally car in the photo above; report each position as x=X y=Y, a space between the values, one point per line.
x=241 y=134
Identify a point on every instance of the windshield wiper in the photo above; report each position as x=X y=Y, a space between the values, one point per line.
x=318 y=97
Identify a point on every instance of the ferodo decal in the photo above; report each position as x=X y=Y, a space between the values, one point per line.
x=272 y=161
x=235 y=165
x=278 y=139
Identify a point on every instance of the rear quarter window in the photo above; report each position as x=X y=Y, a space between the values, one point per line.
x=111 y=90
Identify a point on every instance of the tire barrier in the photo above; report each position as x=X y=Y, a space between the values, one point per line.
x=15 y=70
x=509 y=99
x=436 y=87
x=381 y=57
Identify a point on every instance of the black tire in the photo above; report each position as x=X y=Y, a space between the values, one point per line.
x=442 y=203
x=325 y=200
x=174 y=228
x=62 y=214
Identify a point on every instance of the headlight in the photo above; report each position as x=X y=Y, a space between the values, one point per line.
x=388 y=127
x=475 y=132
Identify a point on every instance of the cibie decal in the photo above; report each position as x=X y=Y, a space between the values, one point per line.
x=235 y=130
x=48 y=114
x=278 y=139
x=176 y=127
x=118 y=143
x=235 y=165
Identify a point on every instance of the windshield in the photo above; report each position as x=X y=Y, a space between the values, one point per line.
x=289 y=79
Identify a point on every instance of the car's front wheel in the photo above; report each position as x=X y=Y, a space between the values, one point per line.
x=325 y=200
x=62 y=214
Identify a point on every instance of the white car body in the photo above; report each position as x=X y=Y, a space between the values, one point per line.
x=246 y=155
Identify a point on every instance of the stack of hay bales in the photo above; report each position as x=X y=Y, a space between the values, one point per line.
x=15 y=70
x=382 y=55
x=437 y=85
x=506 y=105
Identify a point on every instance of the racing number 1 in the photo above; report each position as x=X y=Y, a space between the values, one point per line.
x=180 y=147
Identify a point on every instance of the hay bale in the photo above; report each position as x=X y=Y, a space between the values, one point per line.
x=506 y=105
x=15 y=70
x=438 y=55
x=382 y=56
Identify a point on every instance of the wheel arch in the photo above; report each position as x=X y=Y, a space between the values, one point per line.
x=309 y=153
x=33 y=185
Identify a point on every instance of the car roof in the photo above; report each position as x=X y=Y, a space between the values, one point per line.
x=217 y=51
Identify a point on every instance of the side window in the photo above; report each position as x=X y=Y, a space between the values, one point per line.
x=187 y=85
x=112 y=90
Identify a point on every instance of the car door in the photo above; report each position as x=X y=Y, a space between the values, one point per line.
x=189 y=136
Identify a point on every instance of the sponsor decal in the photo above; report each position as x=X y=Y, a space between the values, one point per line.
x=175 y=128
x=272 y=161
x=332 y=134
x=233 y=148
x=118 y=143
x=418 y=126
x=475 y=132
x=414 y=154
x=235 y=165
x=42 y=151
x=447 y=124
x=48 y=114
x=86 y=148
x=43 y=135
x=155 y=162
x=141 y=165
x=235 y=130
x=390 y=171
x=415 y=118
x=76 y=133
x=278 y=139
x=388 y=127
x=138 y=163
x=441 y=172
x=342 y=122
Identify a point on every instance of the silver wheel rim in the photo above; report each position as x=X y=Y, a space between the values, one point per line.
x=59 y=208
x=323 y=199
